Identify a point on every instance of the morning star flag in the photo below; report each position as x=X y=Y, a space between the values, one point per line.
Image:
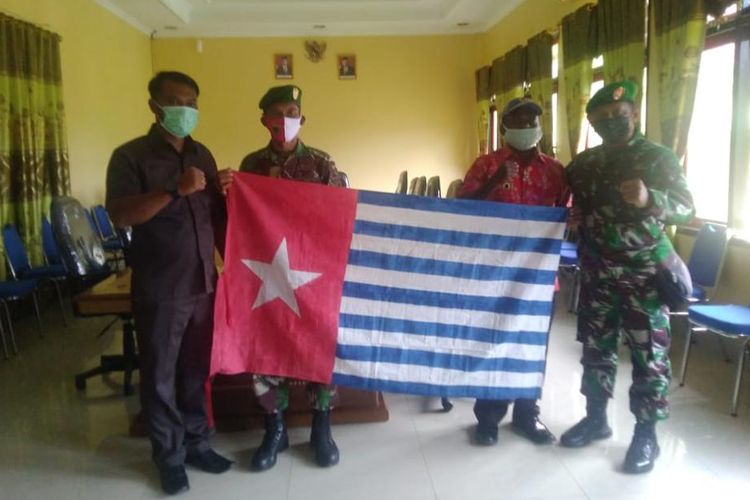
x=386 y=292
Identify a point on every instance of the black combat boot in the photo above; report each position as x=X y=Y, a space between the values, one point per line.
x=326 y=451
x=274 y=442
x=643 y=449
x=593 y=426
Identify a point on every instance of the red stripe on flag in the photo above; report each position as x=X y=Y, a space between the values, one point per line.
x=256 y=327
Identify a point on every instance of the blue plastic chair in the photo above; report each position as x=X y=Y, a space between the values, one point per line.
x=20 y=267
x=11 y=291
x=49 y=245
x=569 y=263
x=707 y=260
x=111 y=241
x=726 y=320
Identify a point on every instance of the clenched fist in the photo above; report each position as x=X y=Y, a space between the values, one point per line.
x=634 y=192
x=226 y=178
x=192 y=180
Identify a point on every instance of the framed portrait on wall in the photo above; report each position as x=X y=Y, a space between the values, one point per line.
x=347 y=66
x=282 y=65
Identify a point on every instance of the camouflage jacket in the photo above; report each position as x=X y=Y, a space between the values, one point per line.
x=614 y=236
x=303 y=164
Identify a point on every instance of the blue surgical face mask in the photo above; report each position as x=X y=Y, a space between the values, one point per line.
x=180 y=121
x=523 y=139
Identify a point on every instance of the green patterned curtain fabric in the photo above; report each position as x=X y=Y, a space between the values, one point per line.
x=677 y=36
x=33 y=146
x=513 y=77
x=483 y=94
x=539 y=77
x=579 y=47
x=622 y=39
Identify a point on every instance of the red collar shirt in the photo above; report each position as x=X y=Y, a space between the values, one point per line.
x=537 y=181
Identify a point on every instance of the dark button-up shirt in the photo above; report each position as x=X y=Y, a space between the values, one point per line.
x=172 y=254
x=303 y=164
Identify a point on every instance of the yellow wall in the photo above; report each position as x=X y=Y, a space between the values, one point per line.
x=106 y=65
x=525 y=21
x=411 y=107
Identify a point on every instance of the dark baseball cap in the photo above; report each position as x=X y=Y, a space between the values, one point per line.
x=521 y=102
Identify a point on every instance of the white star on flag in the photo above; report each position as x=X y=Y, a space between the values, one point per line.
x=279 y=280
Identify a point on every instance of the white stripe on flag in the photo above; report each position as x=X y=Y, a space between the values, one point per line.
x=453 y=253
x=437 y=376
x=456 y=222
x=368 y=338
x=446 y=316
x=448 y=284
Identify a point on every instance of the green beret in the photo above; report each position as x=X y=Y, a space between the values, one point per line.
x=614 y=92
x=285 y=93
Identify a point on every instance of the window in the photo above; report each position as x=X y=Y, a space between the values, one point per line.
x=709 y=140
x=555 y=74
x=494 y=145
x=717 y=162
x=589 y=138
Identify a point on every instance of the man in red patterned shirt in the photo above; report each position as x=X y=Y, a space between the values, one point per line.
x=516 y=173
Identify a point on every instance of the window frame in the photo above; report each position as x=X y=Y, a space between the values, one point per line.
x=735 y=30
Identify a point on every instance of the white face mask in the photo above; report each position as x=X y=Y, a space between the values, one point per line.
x=523 y=139
x=291 y=128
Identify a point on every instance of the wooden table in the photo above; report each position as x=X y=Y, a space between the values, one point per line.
x=233 y=400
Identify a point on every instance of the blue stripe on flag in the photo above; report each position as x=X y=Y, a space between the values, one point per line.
x=452 y=391
x=453 y=269
x=500 y=305
x=464 y=207
x=458 y=238
x=436 y=360
x=458 y=332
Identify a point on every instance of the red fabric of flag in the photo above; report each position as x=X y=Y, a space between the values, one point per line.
x=278 y=299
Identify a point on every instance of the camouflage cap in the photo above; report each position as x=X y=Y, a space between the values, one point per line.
x=625 y=90
x=284 y=93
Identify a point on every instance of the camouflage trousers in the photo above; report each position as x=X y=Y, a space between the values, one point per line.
x=273 y=393
x=608 y=307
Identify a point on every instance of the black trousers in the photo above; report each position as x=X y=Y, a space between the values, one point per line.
x=489 y=412
x=174 y=341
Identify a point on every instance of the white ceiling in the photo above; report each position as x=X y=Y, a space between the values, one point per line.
x=255 y=18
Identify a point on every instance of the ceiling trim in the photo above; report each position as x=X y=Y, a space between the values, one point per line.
x=132 y=21
x=182 y=10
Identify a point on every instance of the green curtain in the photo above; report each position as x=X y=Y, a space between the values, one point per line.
x=33 y=149
x=579 y=47
x=622 y=39
x=513 y=77
x=677 y=35
x=483 y=94
x=539 y=77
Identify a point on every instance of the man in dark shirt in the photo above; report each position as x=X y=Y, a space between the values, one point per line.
x=165 y=185
x=287 y=157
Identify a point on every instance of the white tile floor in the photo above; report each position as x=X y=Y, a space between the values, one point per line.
x=57 y=443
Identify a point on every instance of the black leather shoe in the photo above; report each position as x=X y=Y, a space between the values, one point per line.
x=535 y=431
x=173 y=479
x=274 y=441
x=208 y=461
x=641 y=455
x=585 y=431
x=485 y=436
x=326 y=451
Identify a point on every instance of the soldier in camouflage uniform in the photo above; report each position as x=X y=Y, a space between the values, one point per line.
x=624 y=193
x=288 y=158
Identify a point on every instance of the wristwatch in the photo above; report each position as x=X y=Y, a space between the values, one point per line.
x=171 y=188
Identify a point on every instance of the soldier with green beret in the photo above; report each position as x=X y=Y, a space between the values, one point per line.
x=286 y=156
x=625 y=192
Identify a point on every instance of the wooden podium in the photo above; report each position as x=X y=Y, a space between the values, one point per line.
x=233 y=401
